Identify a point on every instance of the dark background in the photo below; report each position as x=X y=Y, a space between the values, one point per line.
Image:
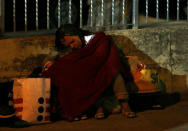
x=53 y=17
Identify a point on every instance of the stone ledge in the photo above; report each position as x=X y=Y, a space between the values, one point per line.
x=163 y=47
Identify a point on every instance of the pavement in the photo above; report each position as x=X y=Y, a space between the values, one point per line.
x=174 y=117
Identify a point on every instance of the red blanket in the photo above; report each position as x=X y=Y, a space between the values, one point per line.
x=83 y=75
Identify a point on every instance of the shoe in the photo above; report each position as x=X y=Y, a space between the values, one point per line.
x=7 y=115
x=100 y=113
x=81 y=117
x=7 y=112
x=8 y=118
x=157 y=107
x=129 y=114
x=17 y=123
x=76 y=119
x=99 y=116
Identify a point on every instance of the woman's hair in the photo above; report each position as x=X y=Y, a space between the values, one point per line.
x=69 y=29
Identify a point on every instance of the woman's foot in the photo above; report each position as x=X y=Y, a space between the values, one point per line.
x=129 y=114
x=81 y=117
x=100 y=113
x=76 y=119
x=126 y=110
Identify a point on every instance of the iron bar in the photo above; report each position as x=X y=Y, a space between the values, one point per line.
x=178 y=5
x=70 y=10
x=48 y=14
x=112 y=12
x=81 y=14
x=123 y=12
x=167 y=10
x=102 y=12
x=59 y=13
x=146 y=11
x=157 y=11
x=14 y=15
x=37 y=22
x=135 y=14
x=91 y=11
x=25 y=11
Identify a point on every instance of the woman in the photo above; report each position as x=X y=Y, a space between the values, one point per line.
x=83 y=74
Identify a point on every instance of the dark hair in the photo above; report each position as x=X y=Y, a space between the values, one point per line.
x=69 y=29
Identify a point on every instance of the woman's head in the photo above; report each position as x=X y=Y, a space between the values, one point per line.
x=69 y=35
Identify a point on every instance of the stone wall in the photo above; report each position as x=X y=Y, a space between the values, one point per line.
x=19 y=56
x=164 y=48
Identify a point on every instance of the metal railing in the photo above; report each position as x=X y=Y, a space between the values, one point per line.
x=58 y=9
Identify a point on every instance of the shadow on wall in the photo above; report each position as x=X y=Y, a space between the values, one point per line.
x=172 y=85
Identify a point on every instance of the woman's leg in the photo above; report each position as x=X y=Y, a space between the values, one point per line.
x=99 y=114
x=121 y=94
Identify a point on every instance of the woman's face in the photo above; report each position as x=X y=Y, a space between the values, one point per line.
x=72 y=41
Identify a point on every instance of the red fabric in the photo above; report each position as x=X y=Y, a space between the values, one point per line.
x=83 y=75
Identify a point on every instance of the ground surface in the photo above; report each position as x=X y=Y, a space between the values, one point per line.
x=173 y=117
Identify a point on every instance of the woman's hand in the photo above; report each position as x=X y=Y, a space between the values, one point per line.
x=47 y=65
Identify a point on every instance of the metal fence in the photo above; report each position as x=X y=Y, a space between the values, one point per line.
x=26 y=15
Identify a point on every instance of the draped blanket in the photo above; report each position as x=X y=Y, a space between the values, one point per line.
x=84 y=74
